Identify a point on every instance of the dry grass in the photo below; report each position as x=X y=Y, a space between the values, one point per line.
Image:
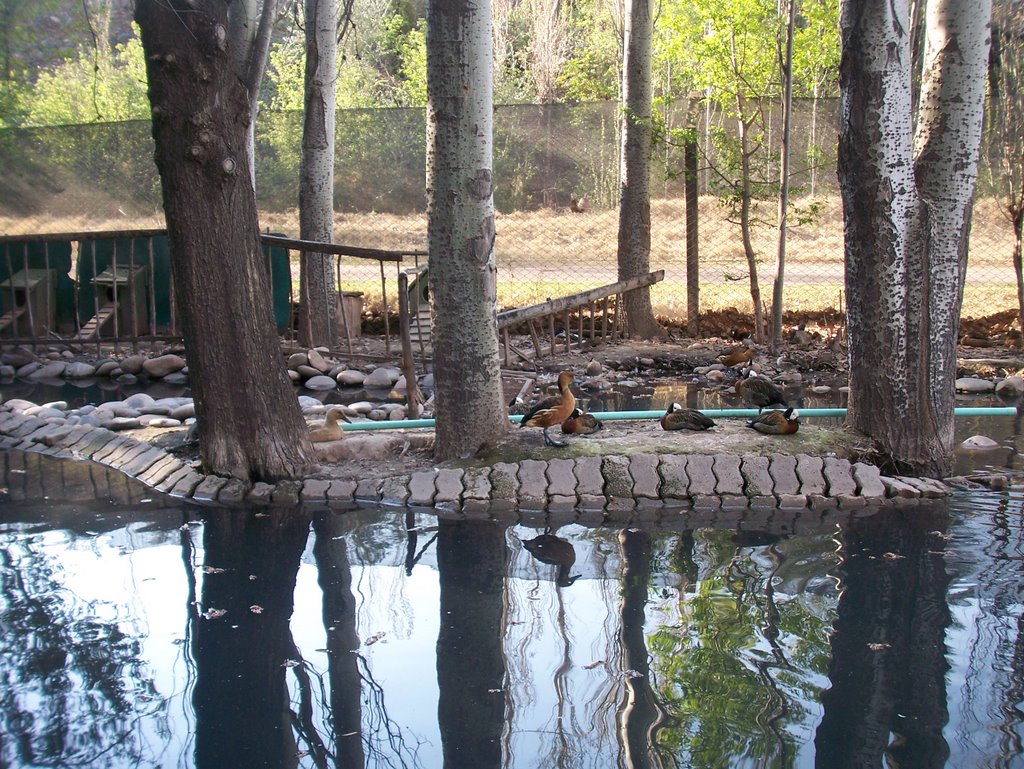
x=553 y=252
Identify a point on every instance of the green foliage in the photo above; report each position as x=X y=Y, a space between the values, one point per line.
x=92 y=87
x=591 y=73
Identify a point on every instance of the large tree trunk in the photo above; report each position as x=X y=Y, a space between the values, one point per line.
x=746 y=204
x=318 y=294
x=250 y=426
x=634 y=256
x=907 y=215
x=469 y=408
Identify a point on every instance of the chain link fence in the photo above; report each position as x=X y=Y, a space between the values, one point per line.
x=556 y=195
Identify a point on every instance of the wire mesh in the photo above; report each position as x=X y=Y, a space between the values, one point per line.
x=556 y=171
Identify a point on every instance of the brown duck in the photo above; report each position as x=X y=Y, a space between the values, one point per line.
x=581 y=423
x=758 y=391
x=330 y=430
x=552 y=411
x=679 y=418
x=776 y=422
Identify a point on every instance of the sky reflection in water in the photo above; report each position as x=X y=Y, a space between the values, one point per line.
x=372 y=638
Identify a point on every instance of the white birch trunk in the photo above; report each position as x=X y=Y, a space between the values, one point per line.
x=317 y=292
x=469 y=403
x=906 y=211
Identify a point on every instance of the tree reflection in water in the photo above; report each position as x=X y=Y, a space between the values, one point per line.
x=404 y=640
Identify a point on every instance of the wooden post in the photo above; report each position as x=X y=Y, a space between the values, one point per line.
x=412 y=393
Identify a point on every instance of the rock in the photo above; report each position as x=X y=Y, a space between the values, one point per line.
x=19 y=404
x=361 y=407
x=320 y=382
x=133 y=364
x=821 y=389
x=294 y=376
x=351 y=378
x=127 y=379
x=317 y=361
x=378 y=415
x=979 y=443
x=382 y=377
x=1011 y=387
x=183 y=412
x=43 y=412
x=139 y=401
x=594 y=367
x=7 y=372
x=396 y=415
x=156 y=420
x=28 y=369
x=162 y=366
x=106 y=367
x=716 y=376
x=17 y=357
x=53 y=370
x=297 y=359
x=310 y=405
x=79 y=370
x=308 y=372
x=177 y=378
x=974 y=385
x=62 y=405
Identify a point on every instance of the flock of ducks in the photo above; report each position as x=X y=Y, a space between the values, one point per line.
x=561 y=410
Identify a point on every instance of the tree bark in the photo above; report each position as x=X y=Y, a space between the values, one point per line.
x=634 y=255
x=692 y=209
x=250 y=426
x=469 y=402
x=907 y=205
x=318 y=296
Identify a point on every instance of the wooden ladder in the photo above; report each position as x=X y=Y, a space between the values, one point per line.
x=92 y=329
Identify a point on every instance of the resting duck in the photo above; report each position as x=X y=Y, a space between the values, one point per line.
x=758 y=391
x=776 y=422
x=678 y=418
x=547 y=548
x=552 y=411
x=330 y=430
x=581 y=423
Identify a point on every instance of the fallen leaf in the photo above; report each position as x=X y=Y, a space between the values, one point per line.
x=877 y=647
x=214 y=613
x=212 y=570
x=373 y=639
x=256 y=609
x=593 y=664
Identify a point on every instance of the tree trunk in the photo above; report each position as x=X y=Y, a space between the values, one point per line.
x=634 y=257
x=469 y=402
x=746 y=204
x=250 y=426
x=692 y=209
x=318 y=296
x=787 y=138
x=907 y=214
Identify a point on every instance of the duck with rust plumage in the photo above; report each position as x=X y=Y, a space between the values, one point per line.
x=552 y=411
x=759 y=391
x=555 y=551
x=678 y=418
x=776 y=422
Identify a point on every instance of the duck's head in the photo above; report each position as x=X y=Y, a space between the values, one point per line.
x=673 y=407
x=564 y=380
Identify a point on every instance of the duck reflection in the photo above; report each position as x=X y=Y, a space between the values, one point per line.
x=555 y=551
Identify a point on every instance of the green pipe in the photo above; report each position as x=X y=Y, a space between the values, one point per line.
x=611 y=416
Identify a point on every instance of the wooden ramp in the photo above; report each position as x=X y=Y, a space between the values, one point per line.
x=596 y=313
x=8 y=318
x=91 y=330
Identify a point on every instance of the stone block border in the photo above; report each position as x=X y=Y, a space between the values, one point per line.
x=611 y=484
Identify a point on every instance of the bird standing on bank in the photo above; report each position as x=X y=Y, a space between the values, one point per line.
x=552 y=411
x=758 y=391
x=678 y=418
x=776 y=422
x=581 y=423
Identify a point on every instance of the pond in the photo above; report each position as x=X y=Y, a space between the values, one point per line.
x=134 y=633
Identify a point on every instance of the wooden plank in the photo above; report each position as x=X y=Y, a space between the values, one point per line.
x=313 y=247
x=543 y=309
x=9 y=317
x=536 y=338
x=92 y=328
